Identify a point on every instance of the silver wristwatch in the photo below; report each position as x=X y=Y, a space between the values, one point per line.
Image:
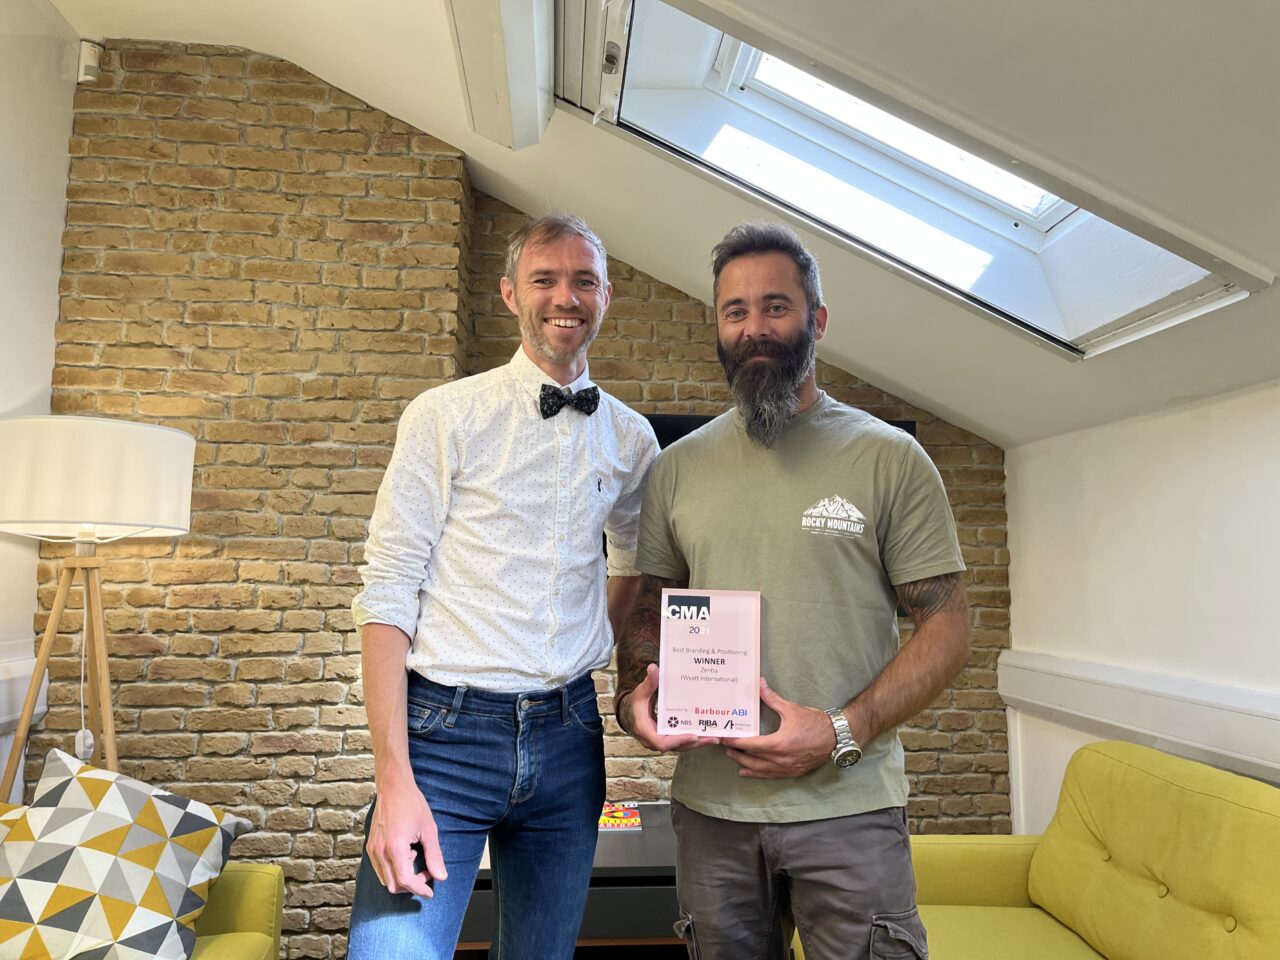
x=847 y=751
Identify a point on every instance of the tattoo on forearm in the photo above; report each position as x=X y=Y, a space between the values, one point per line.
x=932 y=595
x=638 y=645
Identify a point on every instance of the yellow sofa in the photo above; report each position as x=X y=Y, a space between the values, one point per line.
x=1148 y=857
x=242 y=918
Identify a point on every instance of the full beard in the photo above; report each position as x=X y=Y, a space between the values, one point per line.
x=765 y=392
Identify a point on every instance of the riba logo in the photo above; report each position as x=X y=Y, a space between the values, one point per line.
x=835 y=517
x=688 y=608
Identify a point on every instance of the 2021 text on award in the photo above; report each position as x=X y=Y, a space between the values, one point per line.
x=709 y=679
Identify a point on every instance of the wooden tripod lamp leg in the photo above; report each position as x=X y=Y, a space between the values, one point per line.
x=98 y=651
x=92 y=714
x=33 y=688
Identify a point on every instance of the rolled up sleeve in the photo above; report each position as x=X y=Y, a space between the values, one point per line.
x=407 y=519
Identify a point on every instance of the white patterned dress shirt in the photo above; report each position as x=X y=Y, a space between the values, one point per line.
x=485 y=546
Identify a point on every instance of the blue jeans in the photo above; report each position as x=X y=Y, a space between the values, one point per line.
x=525 y=771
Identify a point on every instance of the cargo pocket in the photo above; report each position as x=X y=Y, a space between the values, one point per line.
x=898 y=936
x=684 y=930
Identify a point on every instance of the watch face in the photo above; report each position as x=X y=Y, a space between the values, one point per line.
x=847 y=756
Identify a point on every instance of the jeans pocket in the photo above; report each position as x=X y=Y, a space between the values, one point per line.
x=586 y=714
x=899 y=936
x=683 y=929
x=425 y=718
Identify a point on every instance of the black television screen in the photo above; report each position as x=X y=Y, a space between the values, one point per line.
x=670 y=427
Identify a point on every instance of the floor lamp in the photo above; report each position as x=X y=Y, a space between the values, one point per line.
x=87 y=481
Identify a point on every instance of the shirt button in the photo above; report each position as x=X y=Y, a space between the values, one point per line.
x=1162 y=891
x=1106 y=857
x=1230 y=924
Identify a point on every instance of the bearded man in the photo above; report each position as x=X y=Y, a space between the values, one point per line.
x=803 y=827
x=484 y=610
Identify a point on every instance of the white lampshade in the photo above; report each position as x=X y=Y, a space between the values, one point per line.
x=88 y=478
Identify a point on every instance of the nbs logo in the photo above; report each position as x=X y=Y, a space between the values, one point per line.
x=688 y=608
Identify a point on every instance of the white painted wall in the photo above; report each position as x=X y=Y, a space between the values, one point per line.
x=1151 y=544
x=1042 y=749
x=38 y=52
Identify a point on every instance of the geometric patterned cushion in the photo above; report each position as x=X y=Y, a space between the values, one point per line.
x=105 y=867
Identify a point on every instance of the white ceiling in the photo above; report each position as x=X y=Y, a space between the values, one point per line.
x=1162 y=109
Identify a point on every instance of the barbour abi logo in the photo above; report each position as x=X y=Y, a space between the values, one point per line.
x=834 y=516
x=688 y=608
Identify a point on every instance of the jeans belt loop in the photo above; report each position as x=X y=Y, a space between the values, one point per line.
x=454 y=710
x=564 y=704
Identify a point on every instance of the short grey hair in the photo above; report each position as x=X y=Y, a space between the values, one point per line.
x=752 y=238
x=554 y=226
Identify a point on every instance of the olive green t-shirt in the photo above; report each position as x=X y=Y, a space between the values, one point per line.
x=824 y=525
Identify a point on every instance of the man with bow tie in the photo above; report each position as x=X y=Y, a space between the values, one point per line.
x=485 y=608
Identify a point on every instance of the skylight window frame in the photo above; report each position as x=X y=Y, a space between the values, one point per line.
x=697 y=107
x=733 y=75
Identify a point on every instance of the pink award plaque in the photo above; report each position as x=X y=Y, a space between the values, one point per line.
x=709 y=666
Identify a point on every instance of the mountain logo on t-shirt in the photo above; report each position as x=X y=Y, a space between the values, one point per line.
x=834 y=516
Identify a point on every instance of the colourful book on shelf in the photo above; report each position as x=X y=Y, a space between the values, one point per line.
x=620 y=816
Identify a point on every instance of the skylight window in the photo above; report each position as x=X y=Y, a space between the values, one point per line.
x=919 y=205
x=861 y=118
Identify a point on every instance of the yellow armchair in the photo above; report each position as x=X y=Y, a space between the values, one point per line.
x=242 y=919
x=1148 y=857
x=974 y=900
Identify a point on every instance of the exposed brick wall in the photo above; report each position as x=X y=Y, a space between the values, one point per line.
x=277 y=268
x=656 y=351
x=271 y=265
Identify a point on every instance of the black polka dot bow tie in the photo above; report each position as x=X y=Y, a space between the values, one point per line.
x=553 y=400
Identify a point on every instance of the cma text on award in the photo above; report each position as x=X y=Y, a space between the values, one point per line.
x=709 y=663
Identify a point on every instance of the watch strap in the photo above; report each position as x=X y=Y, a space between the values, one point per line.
x=844 y=735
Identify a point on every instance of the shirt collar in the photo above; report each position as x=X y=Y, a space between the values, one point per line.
x=532 y=377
